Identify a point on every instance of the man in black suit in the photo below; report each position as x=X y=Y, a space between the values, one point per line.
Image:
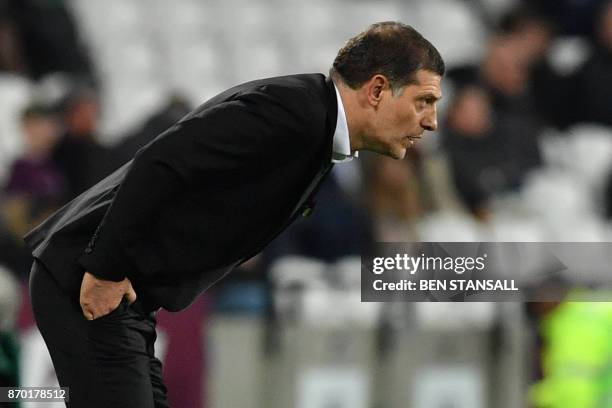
x=205 y=196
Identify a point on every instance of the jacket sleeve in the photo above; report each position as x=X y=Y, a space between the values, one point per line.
x=229 y=137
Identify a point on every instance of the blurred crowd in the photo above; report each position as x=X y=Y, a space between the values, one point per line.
x=541 y=89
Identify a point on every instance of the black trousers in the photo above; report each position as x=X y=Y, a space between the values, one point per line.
x=108 y=362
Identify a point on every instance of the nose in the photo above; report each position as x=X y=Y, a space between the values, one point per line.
x=430 y=120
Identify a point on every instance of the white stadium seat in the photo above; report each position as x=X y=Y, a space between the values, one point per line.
x=462 y=36
x=16 y=93
x=450 y=227
x=591 y=153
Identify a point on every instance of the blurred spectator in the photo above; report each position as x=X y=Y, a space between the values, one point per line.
x=35 y=187
x=507 y=71
x=529 y=32
x=78 y=154
x=549 y=290
x=577 y=353
x=589 y=95
x=394 y=197
x=39 y=37
x=35 y=175
x=475 y=154
x=492 y=124
x=573 y=17
x=11 y=55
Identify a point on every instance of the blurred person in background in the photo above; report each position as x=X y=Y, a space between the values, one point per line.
x=35 y=186
x=528 y=36
x=528 y=32
x=11 y=55
x=591 y=84
x=572 y=17
x=79 y=155
x=475 y=154
x=492 y=124
x=506 y=73
x=394 y=198
x=207 y=195
x=576 y=354
x=35 y=174
x=39 y=37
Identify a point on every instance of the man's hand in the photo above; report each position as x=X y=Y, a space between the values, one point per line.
x=100 y=297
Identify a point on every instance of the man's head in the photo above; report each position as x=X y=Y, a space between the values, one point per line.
x=41 y=130
x=604 y=26
x=389 y=78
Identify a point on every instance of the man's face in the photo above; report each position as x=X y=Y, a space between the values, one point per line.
x=41 y=133
x=397 y=121
x=605 y=27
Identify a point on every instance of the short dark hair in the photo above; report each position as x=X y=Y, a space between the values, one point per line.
x=389 y=48
x=35 y=111
x=518 y=18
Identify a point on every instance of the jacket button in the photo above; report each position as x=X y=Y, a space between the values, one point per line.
x=307 y=212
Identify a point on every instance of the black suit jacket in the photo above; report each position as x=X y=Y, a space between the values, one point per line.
x=202 y=197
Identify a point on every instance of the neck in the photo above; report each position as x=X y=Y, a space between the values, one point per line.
x=354 y=121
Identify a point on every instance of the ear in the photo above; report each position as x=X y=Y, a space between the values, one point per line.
x=374 y=88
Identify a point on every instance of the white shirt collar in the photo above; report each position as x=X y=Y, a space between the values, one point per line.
x=342 y=144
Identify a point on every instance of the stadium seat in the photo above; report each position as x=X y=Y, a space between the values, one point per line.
x=450 y=227
x=591 y=152
x=15 y=93
x=568 y=193
x=460 y=22
x=516 y=228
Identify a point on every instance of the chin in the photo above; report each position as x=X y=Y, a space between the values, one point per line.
x=398 y=153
